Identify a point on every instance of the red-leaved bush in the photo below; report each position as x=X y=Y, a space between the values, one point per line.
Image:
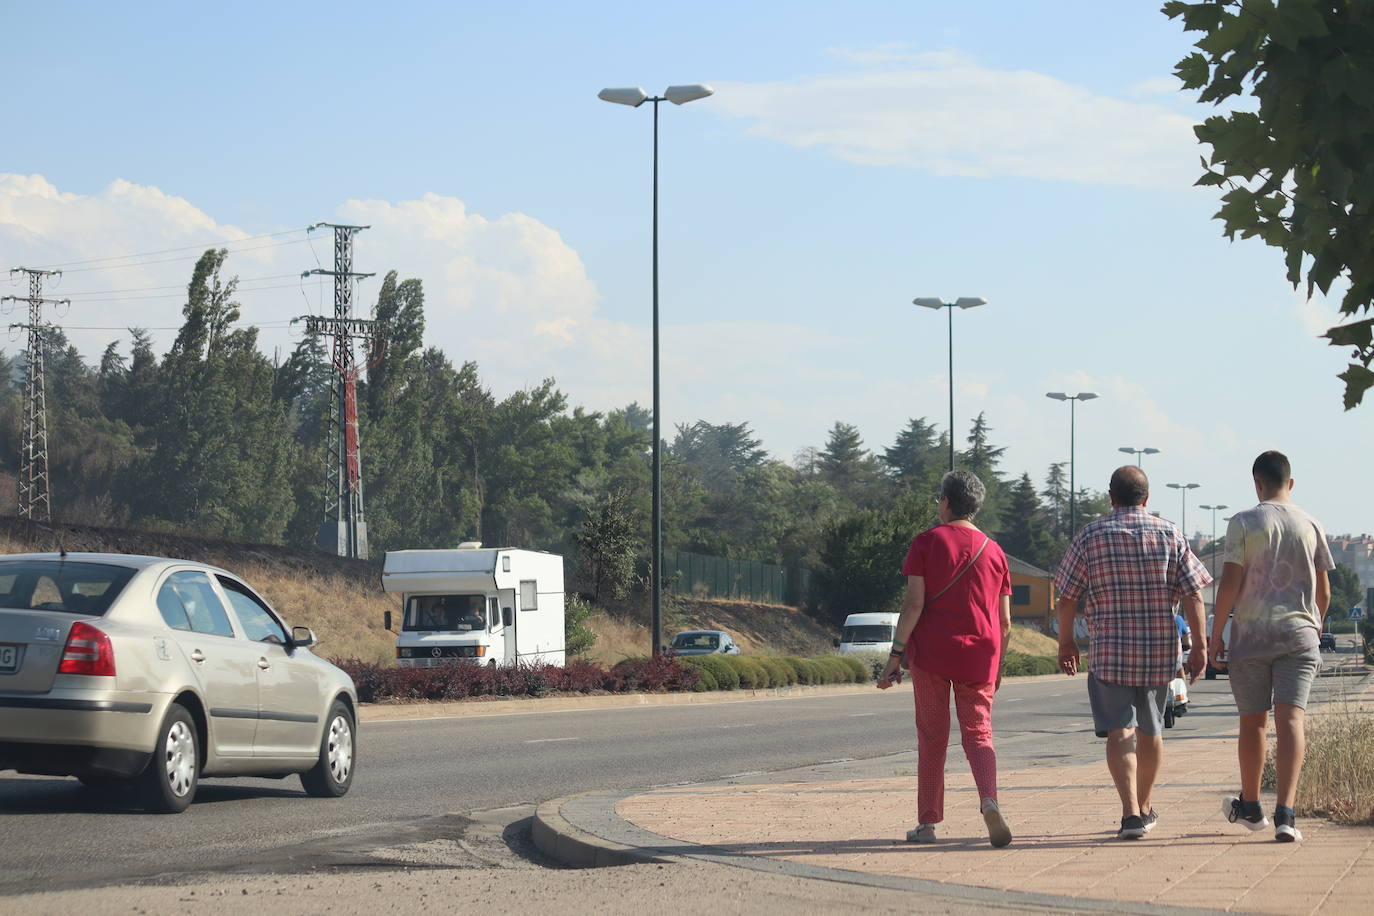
x=460 y=681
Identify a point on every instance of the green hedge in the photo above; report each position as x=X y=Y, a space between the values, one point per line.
x=780 y=673
x=1019 y=665
x=725 y=675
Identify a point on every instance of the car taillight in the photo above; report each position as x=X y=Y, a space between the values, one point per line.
x=88 y=651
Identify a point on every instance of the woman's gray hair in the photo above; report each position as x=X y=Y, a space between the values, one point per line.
x=965 y=493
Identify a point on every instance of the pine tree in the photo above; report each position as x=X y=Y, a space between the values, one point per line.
x=916 y=457
x=1025 y=531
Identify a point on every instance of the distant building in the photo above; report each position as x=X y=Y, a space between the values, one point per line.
x=1032 y=595
x=1357 y=552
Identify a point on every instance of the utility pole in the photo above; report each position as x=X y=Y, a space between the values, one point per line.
x=344 y=530
x=35 y=497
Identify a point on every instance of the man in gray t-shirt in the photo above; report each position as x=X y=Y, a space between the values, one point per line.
x=1275 y=584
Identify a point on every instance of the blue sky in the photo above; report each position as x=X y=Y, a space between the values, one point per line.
x=854 y=156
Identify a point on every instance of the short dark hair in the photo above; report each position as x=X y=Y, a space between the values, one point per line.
x=1272 y=469
x=964 y=491
x=1129 y=486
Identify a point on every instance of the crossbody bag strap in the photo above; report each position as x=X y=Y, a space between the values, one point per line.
x=960 y=574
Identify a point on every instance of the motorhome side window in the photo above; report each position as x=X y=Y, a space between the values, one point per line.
x=429 y=613
x=529 y=597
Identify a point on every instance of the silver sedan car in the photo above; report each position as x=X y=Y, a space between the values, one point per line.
x=153 y=673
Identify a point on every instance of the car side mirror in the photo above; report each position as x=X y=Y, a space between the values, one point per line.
x=386 y=621
x=506 y=617
x=303 y=637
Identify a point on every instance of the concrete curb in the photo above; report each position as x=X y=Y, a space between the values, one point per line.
x=558 y=839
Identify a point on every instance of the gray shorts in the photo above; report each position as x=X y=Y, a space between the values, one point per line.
x=1122 y=706
x=1260 y=682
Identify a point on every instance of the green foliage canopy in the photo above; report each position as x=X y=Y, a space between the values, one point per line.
x=1297 y=170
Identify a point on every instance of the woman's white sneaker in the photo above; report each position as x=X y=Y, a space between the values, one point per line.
x=999 y=834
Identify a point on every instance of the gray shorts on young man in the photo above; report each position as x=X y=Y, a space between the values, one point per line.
x=1123 y=706
x=1258 y=683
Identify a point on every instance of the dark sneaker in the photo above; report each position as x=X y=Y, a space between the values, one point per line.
x=1285 y=826
x=1132 y=828
x=1235 y=812
x=1149 y=818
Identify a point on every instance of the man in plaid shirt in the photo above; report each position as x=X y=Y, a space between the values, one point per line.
x=1129 y=570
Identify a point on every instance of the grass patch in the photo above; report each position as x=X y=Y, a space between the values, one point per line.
x=1337 y=780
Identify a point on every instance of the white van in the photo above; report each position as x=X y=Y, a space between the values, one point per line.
x=867 y=633
x=486 y=606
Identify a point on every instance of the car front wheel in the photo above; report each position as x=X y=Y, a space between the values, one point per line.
x=169 y=782
x=332 y=774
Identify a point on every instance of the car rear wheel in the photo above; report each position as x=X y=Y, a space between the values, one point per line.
x=332 y=774
x=169 y=782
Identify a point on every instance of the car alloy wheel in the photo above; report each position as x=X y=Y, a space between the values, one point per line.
x=180 y=756
x=340 y=744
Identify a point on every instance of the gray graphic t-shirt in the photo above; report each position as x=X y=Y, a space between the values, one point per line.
x=1281 y=548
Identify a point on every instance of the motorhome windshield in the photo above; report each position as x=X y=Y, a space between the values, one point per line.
x=428 y=613
x=873 y=632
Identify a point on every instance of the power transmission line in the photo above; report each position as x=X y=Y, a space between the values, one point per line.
x=201 y=247
x=35 y=499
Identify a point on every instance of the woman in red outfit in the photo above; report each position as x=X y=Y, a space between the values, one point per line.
x=952 y=632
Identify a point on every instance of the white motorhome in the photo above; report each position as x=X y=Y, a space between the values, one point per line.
x=476 y=605
x=867 y=633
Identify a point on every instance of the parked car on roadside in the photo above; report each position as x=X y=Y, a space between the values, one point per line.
x=152 y=673
x=1327 y=642
x=703 y=642
x=1211 y=673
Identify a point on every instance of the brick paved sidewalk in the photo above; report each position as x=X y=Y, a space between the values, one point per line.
x=1064 y=820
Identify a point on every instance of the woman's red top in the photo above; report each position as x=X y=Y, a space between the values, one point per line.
x=959 y=635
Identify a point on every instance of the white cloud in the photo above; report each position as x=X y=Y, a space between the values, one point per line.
x=1159 y=85
x=945 y=114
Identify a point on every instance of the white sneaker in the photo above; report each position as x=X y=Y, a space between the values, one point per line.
x=999 y=834
x=921 y=833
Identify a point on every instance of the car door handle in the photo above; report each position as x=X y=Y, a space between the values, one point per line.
x=197 y=656
x=264 y=664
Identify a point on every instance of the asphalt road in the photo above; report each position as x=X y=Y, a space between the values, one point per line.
x=420 y=782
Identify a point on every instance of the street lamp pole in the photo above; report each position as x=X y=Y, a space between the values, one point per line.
x=1073 y=400
x=963 y=302
x=1183 y=489
x=1138 y=452
x=1216 y=573
x=634 y=97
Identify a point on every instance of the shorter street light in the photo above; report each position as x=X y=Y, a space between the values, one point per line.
x=1073 y=400
x=963 y=302
x=1138 y=452
x=1216 y=573
x=1183 y=489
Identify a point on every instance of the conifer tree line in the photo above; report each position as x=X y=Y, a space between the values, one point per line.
x=212 y=439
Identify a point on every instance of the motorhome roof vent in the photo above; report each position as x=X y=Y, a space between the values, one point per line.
x=469 y=545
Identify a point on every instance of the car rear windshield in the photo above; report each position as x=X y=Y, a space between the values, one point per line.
x=59 y=585
x=871 y=632
x=696 y=641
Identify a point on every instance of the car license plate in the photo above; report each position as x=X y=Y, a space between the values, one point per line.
x=9 y=659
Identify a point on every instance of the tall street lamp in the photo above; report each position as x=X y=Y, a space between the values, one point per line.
x=963 y=302
x=1183 y=489
x=634 y=97
x=1216 y=573
x=1073 y=400
x=1138 y=452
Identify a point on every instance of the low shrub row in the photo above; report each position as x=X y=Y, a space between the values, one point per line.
x=458 y=682
x=1018 y=664
x=749 y=672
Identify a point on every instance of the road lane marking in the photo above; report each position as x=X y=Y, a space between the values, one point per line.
x=744 y=774
x=740 y=725
x=1015 y=699
x=861 y=715
x=547 y=740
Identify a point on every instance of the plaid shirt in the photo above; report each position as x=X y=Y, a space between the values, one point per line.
x=1132 y=569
